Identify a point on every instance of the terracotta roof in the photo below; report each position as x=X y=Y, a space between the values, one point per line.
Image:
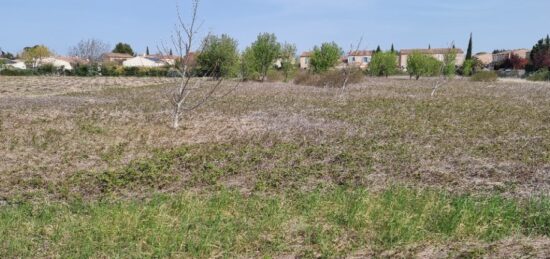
x=117 y=55
x=165 y=57
x=361 y=53
x=430 y=51
x=73 y=60
x=306 y=54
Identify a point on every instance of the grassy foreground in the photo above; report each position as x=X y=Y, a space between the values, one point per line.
x=227 y=223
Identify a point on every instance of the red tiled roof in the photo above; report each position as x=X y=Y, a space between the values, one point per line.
x=117 y=55
x=306 y=54
x=361 y=53
x=430 y=51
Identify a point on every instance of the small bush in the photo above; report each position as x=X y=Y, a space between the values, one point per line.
x=46 y=69
x=541 y=75
x=305 y=78
x=331 y=78
x=485 y=76
x=16 y=72
x=275 y=76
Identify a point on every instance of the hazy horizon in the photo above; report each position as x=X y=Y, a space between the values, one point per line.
x=60 y=24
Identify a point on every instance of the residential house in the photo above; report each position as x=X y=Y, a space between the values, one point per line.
x=143 y=61
x=360 y=59
x=18 y=64
x=168 y=59
x=485 y=58
x=115 y=57
x=500 y=57
x=57 y=63
x=438 y=54
x=304 y=60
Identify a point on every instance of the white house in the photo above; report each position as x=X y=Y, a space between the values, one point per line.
x=304 y=60
x=360 y=58
x=57 y=63
x=141 y=61
x=16 y=64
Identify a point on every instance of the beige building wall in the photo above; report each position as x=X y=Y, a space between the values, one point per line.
x=361 y=61
x=304 y=62
x=485 y=58
x=499 y=57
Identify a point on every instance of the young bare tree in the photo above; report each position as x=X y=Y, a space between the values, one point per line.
x=348 y=68
x=90 y=49
x=190 y=93
x=446 y=69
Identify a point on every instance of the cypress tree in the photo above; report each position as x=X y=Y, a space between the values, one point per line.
x=429 y=46
x=392 y=49
x=171 y=52
x=147 y=51
x=469 y=52
x=378 y=49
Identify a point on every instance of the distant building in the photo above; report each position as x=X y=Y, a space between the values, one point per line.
x=485 y=58
x=360 y=59
x=304 y=60
x=115 y=57
x=504 y=55
x=438 y=54
x=57 y=63
x=142 y=61
x=168 y=59
x=18 y=64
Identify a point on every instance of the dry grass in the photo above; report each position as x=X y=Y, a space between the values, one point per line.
x=68 y=139
x=473 y=137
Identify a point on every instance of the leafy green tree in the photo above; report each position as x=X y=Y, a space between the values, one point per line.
x=540 y=54
x=265 y=50
x=288 y=59
x=7 y=55
x=449 y=63
x=325 y=57
x=419 y=64
x=33 y=55
x=468 y=67
x=383 y=64
x=247 y=65
x=219 y=56
x=123 y=48
x=470 y=49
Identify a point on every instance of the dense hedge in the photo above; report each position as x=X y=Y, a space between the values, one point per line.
x=541 y=75
x=88 y=70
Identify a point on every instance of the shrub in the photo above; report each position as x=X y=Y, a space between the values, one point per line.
x=46 y=69
x=419 y=64
x=219 y=56
x=383 y=64
x=485 y=76
x=275 y=76
x=16 y=72
x=112 y=70
x=306 y=78
x=468 y=67
x=541 y=75
x=325 y=57
x=331 y=78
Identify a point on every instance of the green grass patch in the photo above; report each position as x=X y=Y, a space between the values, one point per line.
x=230 y=224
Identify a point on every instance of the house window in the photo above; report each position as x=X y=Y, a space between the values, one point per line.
x=366 y=60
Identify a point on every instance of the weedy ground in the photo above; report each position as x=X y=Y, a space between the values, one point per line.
x=91 y=167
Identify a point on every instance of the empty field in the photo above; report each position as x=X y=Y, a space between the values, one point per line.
x=91 y=167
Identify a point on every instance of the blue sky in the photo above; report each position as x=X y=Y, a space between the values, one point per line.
x=496 y=24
